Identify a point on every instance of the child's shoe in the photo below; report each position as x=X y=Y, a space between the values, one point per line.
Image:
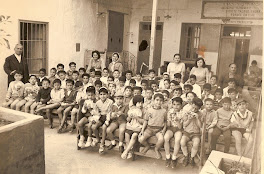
x=129 y=155
x=185 y=161
x=89 y=142
x=167 y=162
x=81 y=142
x=101 y=149
x=94 y=143
x=173 y=163
x=111 y=146
x=124 y=155
x=192 y=161
x=121 y=149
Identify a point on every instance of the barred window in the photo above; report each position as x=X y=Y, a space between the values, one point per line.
x=33 y=36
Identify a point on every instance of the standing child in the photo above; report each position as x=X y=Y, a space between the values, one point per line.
x=154 y=125
x=191 y=122
x=62 y=77
x=56 y=95
x=52 y=76
x=133 y=126
x=30 y=93
x=118 y=119
x=43 y=96
x=174 y=126
x=67 y=104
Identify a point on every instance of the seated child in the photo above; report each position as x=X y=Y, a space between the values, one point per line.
x=67 y=104
x=30 y=93
x=116 y=75
x=154 y=125
x=75 y=76
x=128 y=95
x=178 y=78
x=166 y=76
x=174 y=127
x=62 y=77
x=85 y=80
x=207 y=92
x=90 y=116
x=191 y=122
x=60 y=67
x=56 y=95
x=213 y=82
x=81 y=72
x=72 y=66
x=210 y=119
x=152 y=74
x=148 y=98
x=104 y=77
x=92 y=76
x=218 y=98
x=118 y=119
x=241 y=126
x=138 y=79
x=132 y=83
x=121 y=85
x=144 y=85
x=110 y=79
x=166 y=95
x=128 y=75
x=231 y=84
x=187 y=88
x=133 y=125
x=189 y=100
x=42 y=74
x=196 y=88
x=177 y=92
x=233 y=95
x=223 y=125
x=52 y=76
x=136 y=91
x=98 y=85
x=173 y=85
x=15 y=91
x=97 y=75
x=43 y=96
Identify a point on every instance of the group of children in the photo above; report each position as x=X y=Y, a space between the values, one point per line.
x=138 y=107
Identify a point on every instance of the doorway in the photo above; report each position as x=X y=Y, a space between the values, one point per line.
x=234 y=49
x=144 y=43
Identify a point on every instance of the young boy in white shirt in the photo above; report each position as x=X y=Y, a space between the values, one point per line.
x=196 y=88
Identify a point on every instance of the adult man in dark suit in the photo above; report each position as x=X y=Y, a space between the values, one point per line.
x=16 y=62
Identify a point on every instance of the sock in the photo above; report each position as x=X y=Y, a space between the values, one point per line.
x=167 y=156
x=174 y=157
x=120 y=143
x=113 y=142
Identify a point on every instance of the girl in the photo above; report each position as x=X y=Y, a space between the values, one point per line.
x=201 y=72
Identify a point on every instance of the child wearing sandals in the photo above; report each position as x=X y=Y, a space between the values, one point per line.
x=191 y=131
x=154 y=125
x=56 y=95
x=90 y=116
x=174 y=126
x=241 y=126
x=133 y=126
x=118 y=119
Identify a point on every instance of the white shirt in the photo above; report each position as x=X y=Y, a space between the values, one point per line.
x=57 y=96
x=175 y=68
x=197 y=90
x=18 y=57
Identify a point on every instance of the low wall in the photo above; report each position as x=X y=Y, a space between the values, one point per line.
x=21 y=143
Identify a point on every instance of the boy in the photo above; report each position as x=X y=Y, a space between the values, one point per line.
x=127 y=95
x=187 y=88
x=85 y=80
x=110 y=79
x=154 y=85
x=72 y=66
x=213 y=82
x=42 y=74
x=128 y=75
x=60 y=67
x=189 y=100
x=56 y=95
x=104 y=77
x=210 y=117
x=112 y=90
x=233 y=94
x=132 y=83
x=67 y=104
x=191 y=122
x=166 y=96
x=242 y=124
x=178 y=78
x=207 y=92
x=218 y=95
x=133 y=125
x=148 y=97
x=81 y=72
x=138 y=79
x=62 y=77
x=166 y=76
x=231 y=84
x=118 y=119
x=174 y=127
x=30 y=93
x=223 y=125
x=121 y=85
x=116 y=75
x=52 y=76
x=15 y=91
x=92 y=76
x=97 y=75
x=174 y=85
x=97 y=84
x=177 y=92
x=43 y=96
x=154 y=125
x=144 y=85
x=196 y=88
x=152 y=74
x=75 y=76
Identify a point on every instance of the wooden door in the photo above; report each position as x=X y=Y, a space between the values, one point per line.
x=241 y=55
x=115 y=32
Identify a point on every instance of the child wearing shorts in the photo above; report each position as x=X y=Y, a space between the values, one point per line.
x=118 y=120
x=154 y=125
x=174 y=126
x=133 y=126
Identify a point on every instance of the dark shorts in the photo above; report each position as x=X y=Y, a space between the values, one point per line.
x=130 y=132
x=173 y=129
x=241 y=130
x=191 y=135
x=151 y=130
x=102 y=119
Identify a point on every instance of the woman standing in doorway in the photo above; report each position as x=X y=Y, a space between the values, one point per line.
x=96 y=62
x=201 y=72
x=176 y=67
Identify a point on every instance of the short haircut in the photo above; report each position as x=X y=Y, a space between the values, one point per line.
x=72 y=63
x=144 y=81
x=177 y=55
x=18 y=72
x=86 y=75
x=97 y=52
x=111 y=83
x=168 y=80
x=104 y=90
x=178 y=89
x=137 y=88
x=116 y=53
x=207 y=86
x=166 y=92
x=226 y=100
x=75 y=72
x=158 y=95
x=138 y=73
x=149 y=89
x=45 y=79
x=92 y=70
x=57 y=81
x=78 y=84
x=98 y=73
x=33 y=76
x=98 y=82
x=129 y=72
x=61 y=72
x=43 y=70
x=106 y=69
x=216 y=77
x=193 y=76
x=208 y=100
x=232 y=90
x=191 y=93
x=116 y=70
x=82 y=69
x=177 y=99
x=128 y=87
x=198 y=102
x=175 y=82
x=133 y=81
x=204 y=65
x=152 y=71
x=60 y=64
x=111 y=77
x=90 y=89
x=188 y=86
x=220 y=90
x=138 y=99
x=151 y=82
x=70 y=81
x=178 y=75
x=254 y=62
x=122 y=79
x=54 y=69
x=231 y=80
x=232 y=64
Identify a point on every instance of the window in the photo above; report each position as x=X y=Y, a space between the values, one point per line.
x=231 y=31
x=33 y=36
x=190 y=39
x=148 y=26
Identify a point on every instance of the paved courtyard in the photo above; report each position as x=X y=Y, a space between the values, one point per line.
x=62 y=157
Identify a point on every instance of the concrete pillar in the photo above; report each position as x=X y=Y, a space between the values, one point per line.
x=153 y=33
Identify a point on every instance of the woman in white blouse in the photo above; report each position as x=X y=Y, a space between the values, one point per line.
x=201 y=72
x=176 y=67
